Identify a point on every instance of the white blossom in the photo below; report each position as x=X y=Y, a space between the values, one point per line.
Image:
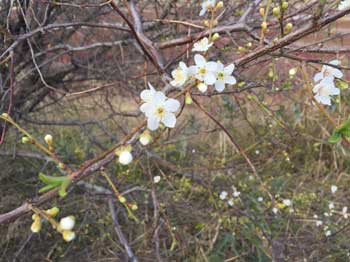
x=328 y=233
x=319 y=223
x=180 y=75
x=260 y=199
x=202 y=46
x=230 y=202
x=156 y=179
x=224 y=76
x=275 y=210
x=206 y=6
x=345 y=212
x=329 y=71
x=236 y=193
x=159 y=109
x=204 y=71
x=223 y=195
x=287 y=202
x=324 y=90
x=334 y=189
x=331 y=205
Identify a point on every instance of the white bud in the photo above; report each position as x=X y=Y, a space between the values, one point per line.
x=287 y=202
x=202 y=87
x=156 y=179
x=67 y=223
x=48 y=139
x=125 y=157
x=145 y=138
x=334 y=189
x=68 y=235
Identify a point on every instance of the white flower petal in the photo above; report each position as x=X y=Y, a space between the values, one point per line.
x=336 y=72
x=199 y=60
x=147 y=95
x=152 y=123
x=334 y=91
x=229 y=69
x=318 y=77
x=334 y=62
x=230 y=80
x=192 y=70
x=169 y=120
x=159 y=98
x=212 y=66
x=146 y=108
x=219 y=85
x=183 y=66
x=209 y=78
x=171 y=105
x=326 y=100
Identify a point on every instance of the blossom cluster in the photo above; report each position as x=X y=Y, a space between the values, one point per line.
x=65 y=226
x=325 y=87
x=158 y=108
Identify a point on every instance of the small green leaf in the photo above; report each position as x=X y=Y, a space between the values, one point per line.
x=65 y=184
x=335 y=138
x=342 y=84
x=51 y=179
x=48 y=187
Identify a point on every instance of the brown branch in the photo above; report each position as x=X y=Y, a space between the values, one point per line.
x=120 y=234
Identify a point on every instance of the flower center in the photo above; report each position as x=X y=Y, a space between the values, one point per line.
x=221 y=75
x=178 y=75
x=160 y=111
x=202 y=71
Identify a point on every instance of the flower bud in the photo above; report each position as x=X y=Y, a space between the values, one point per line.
x=241 y=49
x=215 y=36
x=262 y=11
x=288 y=28
x=249 y=45
x=125 y=157
x=122 y=199
x=61 y=166
x=202 y=87
x=188 y=98
x=206 y=23
x=5 y=115
x=292 y=72
x=48 y=139
x=284 y=5
x=276 y=11
x=36 y=226
x=26 y=140
x=52 y=212
x=219 y=5
x=264 y=26
x=134 y=207
x=67 y=223
x=145 y=138
x=68 y=235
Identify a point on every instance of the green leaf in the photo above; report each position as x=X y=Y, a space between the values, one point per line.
x=48 y=187
x=63 y=190
x=51 y=179
x=341 y=84
x=335 y=138
x=339 y=132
